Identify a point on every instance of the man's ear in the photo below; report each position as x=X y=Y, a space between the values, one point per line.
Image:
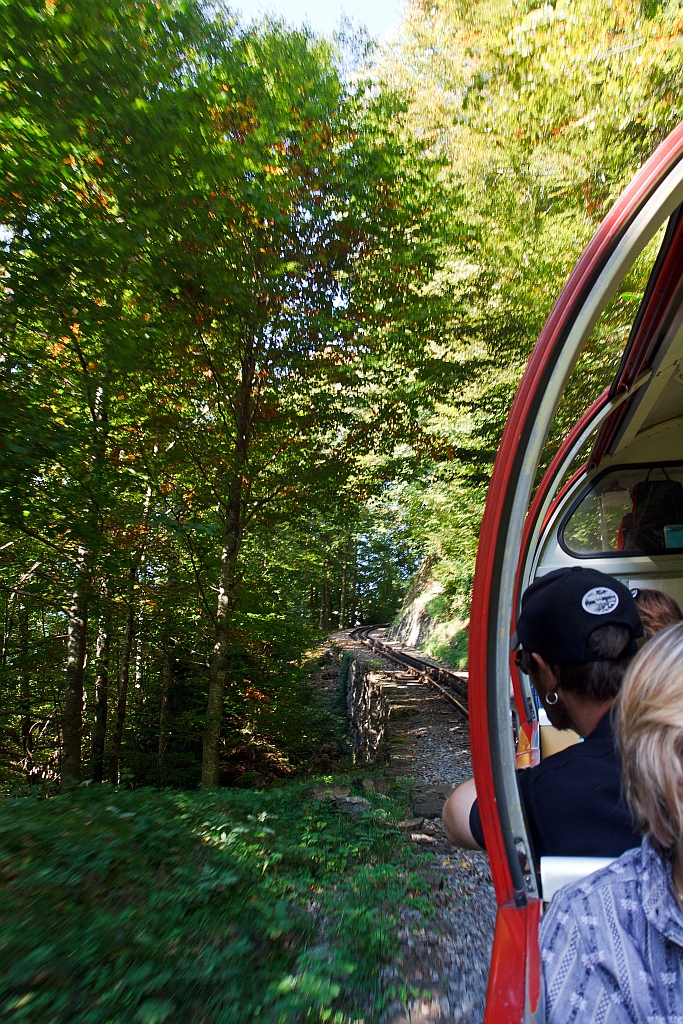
x=546 y=672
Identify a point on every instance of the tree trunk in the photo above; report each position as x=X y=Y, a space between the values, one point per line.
x=124 y=674
x=353 y=577
x=25 y=692
x=77 y=632
x=344 y=585
x=232 y=540
x=218 y=667
x=166 y=684
x=138 y=661
x=324 y=621
x=99 y=731
x=76 y=647
x=7 y=625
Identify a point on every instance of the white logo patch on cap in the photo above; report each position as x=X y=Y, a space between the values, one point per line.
x=599 y=601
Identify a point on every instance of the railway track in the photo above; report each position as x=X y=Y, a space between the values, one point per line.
x=444 y=955
x=451 y=684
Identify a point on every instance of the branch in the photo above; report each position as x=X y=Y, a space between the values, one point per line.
x=34 y=597
x=43 y=540
x=200 y=586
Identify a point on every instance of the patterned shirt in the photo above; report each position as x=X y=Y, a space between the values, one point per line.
x=612 y=945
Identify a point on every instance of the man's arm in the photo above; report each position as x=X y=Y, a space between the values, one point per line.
x=456 y=816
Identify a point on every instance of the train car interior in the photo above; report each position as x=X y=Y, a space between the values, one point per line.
x=620 y=511
x=624 y=513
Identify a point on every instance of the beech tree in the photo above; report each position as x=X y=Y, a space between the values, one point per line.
x=209 y=244
x=266 y=298
x=74 y=114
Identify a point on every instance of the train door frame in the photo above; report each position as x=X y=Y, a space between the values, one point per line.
x=508 y=541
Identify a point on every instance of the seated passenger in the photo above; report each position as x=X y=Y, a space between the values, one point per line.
x=612 y=944
x=656 y=609
x=578 y=630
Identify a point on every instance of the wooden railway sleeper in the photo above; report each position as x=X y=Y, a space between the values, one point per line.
x=424 y=670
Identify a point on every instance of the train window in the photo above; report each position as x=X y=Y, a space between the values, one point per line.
x=634 y=509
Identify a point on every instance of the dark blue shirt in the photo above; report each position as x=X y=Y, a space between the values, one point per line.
x=573 y=801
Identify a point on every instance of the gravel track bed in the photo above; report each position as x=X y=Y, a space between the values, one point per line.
x=444 y=960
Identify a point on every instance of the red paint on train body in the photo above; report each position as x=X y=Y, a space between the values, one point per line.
x=514 y=984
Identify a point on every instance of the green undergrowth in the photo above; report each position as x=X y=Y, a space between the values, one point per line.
x=139 y=907
x=448 y=644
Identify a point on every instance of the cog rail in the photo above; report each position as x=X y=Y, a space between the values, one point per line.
x=451 y=684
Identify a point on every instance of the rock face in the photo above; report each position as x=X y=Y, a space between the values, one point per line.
x=367 y=708
x=378 y=785
x=430 y=620
x=416 y=622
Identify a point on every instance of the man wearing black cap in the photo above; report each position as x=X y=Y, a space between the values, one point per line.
x=576 y=634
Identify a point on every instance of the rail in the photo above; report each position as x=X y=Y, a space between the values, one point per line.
x=451 y=684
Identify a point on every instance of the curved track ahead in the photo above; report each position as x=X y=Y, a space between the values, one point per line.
x=451 y=684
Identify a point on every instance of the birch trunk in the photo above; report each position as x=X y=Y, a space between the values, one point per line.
x=124 y=675
x=99 y=731
x=76 y=647
x=71 y=724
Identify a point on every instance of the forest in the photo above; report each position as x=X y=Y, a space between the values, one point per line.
x=265 y=300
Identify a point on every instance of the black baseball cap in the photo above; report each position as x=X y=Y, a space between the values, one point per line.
x=561 y=610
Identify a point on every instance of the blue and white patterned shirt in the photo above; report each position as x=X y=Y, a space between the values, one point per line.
x=612 y=946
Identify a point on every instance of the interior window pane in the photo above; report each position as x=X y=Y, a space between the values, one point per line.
x=636 y=509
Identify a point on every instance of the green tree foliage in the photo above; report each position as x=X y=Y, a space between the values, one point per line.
x=261 y=330
x=541 y=113
x=212 y=256
x=261 y=327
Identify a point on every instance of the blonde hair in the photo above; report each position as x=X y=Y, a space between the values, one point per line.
x=650 y=733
